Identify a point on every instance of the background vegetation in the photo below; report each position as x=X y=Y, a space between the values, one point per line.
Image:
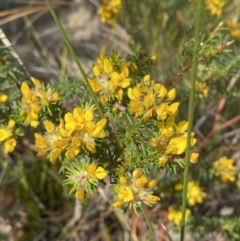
x=34 y=205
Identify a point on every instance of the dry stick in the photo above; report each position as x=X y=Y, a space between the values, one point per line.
x=185 y=68
x=219 y=128
x=223 y=99
x=221 y=104
x=8 y=45
x=24 y=9
x=163 y=230
x=21 y=14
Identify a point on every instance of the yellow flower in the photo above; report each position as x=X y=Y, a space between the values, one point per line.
x=194 y=193
x=163 y=160
x=3 y=98
x=119 y=80
x=141 y=182
x=134 y=190
x=125 y=194
x=202 y=89
x=194 y=157
x=96 y=173
x=215 y=7
x=109 y=10
x=9 y=145
x=175 y=215
x=224 y=169
x=52 y=142
x=4 y=134
x=34 y=99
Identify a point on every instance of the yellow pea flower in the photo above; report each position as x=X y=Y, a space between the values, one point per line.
x=9 y=145
x=100 y=173
x=4 y=134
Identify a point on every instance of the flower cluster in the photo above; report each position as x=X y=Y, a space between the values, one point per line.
x=171 y=141
x=149 y=99
x=76 y=132
x=134 y=190
x=215 y=6
x=225 y=169
x=175 y=215
x=110 y=79
x=34 y=99
x=195 y=194
x=83 y=177
x=109 y=10
x=7 y=136
x=202 y=89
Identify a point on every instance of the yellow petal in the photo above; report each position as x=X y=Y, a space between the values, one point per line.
x=194 y=157
x=124 y=73
x=173 y=108
x=152 y=199
x=36 y=108
x=128 y=195
x=95 y=85
x=141 y=182
x=64 y=133
x=26 y=91
x=9 y=145
x=71 y=153
x=102 y=123
x=171 y=95
x=161 y=90
x=125 y=83
x=100 y=173
x=70 y=126
x=137 y=173
x=123 y=180
x=91 y=169
x=90 y=147
x=4 y=134
x=34 y=123
x=162 y=111
x=135 y=107
x=148 y=99
x=107 y=66
x=179 y=143
x=56 y=96
x=11 y=124
x=182 y=126
x=88 y=115
x=118 y=204
x=36 y=82
x=49 y=126
x=135 y=93
x=151 y=184
x=69 y=117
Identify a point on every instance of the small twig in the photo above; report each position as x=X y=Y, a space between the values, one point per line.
x=181 y=72
x=168 y=235
x=8 y=44
x=218 y=128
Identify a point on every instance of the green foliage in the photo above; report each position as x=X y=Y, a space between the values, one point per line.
x=132 y=140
